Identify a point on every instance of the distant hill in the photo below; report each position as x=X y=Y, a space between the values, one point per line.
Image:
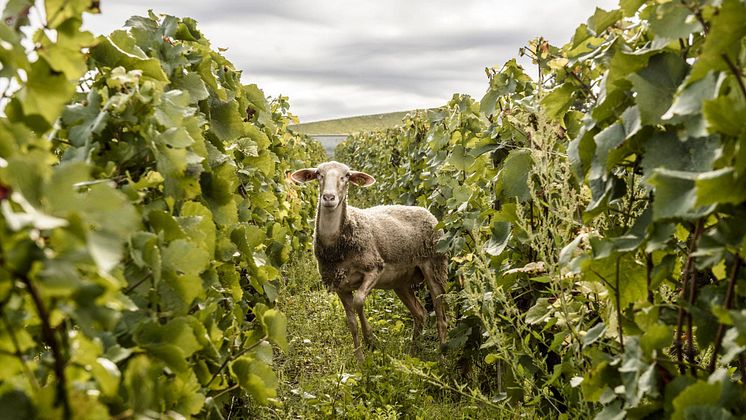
x=349 y=125
x=332 y=132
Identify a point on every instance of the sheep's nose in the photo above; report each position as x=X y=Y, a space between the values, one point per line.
x=328 y=197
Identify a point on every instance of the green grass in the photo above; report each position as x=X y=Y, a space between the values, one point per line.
x=351 y=125
x=320 y=378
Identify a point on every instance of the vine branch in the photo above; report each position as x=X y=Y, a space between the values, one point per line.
x=618 y=298
x=17 y=353
x=727 y=304
x=234 y=357
x=51 y=341
x=687 y=276
x=736 y=73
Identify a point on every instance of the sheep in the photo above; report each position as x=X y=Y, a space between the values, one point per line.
x=382 y=247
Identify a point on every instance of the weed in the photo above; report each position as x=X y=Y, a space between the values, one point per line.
x=320 y=378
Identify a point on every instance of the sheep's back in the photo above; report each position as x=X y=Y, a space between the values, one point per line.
x=402 y=233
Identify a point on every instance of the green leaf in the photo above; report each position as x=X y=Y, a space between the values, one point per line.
x=176 y=331
x=162 y=222
x=724 y=37
x=276 y=324
x=45 y=93
x=514 y=174
x=182 y=263
x=172 y=342
x=612 y=411
x=673 y=20
x=246 y=146
x=689 y=101
x=631 y=284
x=196 y=221
x=265 y=162
x=15 y=404
x=539 y=312
x=65 y=54
x=15 y=13
x=193 y=84
x=85 y=120
x=656 y=85
x=183 y=394
x=499 y=239
x=701 y=412
x=181 y=170
x=602 y=19
x=593 y=334
x=631 y=121
x=630 y=7
x=606 y=142
x=107 y=376
x=106 y=249
x=656 y=337
x=185 y=258
x=720 y=186
x=176 y=137
x=60 y=192
x=13 y=57
x=666 y=151
x=558 y=101
x=580 y=151
x=489 y=101
x=59 y=11
x=225 y=120
x=119 y=49
x=173 y=110
x=698 y=394
x=459 y=158
x=725 y=115
x=675 y=195
x=247 y=238
x=255 y=377
x=107 y=209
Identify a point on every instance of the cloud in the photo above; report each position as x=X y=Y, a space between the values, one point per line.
x=337 y=58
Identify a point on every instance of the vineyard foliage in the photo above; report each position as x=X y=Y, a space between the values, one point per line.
x=145 y=219
x=595 y=216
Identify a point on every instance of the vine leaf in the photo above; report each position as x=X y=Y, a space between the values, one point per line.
x=726 y=31
x=656 y=85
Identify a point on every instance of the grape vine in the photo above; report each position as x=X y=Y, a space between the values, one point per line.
x=145 y=218
x=594 y=216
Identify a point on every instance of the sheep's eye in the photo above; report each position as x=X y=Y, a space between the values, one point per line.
x=319 y=176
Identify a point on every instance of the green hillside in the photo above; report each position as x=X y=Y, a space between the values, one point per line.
x=351 y=125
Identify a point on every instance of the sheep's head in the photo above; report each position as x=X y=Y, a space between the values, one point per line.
x=334 y=179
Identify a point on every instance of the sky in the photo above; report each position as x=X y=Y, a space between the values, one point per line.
x=337 y=58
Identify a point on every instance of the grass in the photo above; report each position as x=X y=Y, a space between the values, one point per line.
x=319 y=377
x=349 y=125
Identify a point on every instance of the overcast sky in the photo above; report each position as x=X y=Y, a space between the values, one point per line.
x=342 y=58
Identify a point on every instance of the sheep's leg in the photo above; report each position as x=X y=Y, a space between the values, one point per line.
x=367 y=331
x=369 y=282
x=407 y=296
x=347 y=303
x=437 y=292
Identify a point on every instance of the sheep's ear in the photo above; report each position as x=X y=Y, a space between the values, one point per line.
x=361 y=179
x=303 y=175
